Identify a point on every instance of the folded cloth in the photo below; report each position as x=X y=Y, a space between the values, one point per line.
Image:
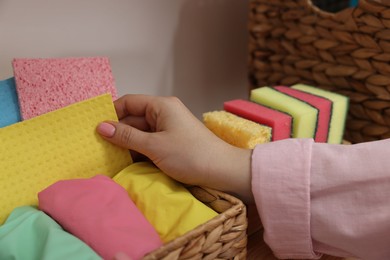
x=166 y=203
x=99 y=212
x=29 y=233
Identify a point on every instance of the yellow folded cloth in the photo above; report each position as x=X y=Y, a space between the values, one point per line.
x=167 y=204
x=59 y=145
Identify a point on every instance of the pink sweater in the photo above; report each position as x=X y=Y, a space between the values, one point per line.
x=318 y=198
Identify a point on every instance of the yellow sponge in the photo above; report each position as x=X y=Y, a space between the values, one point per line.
x=236 y=130
x=339 y=111
x=59 y=145
x=304 y=115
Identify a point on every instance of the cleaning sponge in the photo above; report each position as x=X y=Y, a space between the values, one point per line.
x=339 y=113
x=280 y=122
x=304 y=115
x=323 y=105
x=44 y=85
x=236 y=130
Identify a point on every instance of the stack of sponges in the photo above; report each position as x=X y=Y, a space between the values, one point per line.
x=280 y=112
x=55 y=152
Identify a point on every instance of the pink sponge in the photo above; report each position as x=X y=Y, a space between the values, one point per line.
x=280 y=122
x=44 y=85
x=323 y=105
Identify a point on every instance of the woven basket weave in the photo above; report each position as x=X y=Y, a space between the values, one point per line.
x=223 y=237
x=347 y=52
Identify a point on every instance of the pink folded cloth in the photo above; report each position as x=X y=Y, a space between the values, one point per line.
x=100 y=212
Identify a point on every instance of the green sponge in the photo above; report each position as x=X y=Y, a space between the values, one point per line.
x=305 y=116
x=339 y=113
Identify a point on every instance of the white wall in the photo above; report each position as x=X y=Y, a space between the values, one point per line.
x=193 y=49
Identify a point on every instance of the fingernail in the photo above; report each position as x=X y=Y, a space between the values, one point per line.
x=106 y=129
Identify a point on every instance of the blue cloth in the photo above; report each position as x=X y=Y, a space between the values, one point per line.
x=9 y=104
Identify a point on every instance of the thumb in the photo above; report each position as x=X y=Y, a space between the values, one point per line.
x=122 y=135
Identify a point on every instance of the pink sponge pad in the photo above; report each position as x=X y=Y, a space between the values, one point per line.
x=323 y=105
x=44 y=85
x=280 y=122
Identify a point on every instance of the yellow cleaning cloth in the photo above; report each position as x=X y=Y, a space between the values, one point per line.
x=170 y=208
x=59 y=145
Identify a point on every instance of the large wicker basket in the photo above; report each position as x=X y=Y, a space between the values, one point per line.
x=347 y=52
x=223 y=237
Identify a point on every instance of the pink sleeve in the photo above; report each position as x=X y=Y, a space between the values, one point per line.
x=318 y=198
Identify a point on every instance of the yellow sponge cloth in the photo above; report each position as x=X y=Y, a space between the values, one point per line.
x=169 y=207
x=59 y=145
x=236 y=130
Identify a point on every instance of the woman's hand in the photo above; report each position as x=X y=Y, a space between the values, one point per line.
x=165 y=131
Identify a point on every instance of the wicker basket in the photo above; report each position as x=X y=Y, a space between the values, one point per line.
x=223 y=237
x=347 y=52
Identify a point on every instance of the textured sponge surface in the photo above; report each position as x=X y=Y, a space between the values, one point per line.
x=9 y=106
x=236 y=130
x=44 y=85
x=62 y=144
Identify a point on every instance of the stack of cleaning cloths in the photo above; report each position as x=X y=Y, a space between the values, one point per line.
x=55 y=166
x=280 y=112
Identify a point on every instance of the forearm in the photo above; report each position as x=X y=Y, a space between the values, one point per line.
x=232 y=170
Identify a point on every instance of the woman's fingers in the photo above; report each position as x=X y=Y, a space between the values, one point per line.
x=137 y=122
x=133 y=105
x=125 y=136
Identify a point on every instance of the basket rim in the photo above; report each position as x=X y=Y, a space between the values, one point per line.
x=237 y=208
